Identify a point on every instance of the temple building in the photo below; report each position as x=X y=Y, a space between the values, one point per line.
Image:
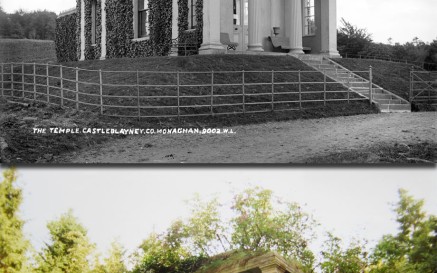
x=128 y=28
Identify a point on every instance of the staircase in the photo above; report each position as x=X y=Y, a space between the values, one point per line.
x=386 y=101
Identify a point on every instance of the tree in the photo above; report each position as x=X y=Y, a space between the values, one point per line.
x=13 y=245
x=264 y=224
x=414 y=248
x=351 y=39
x=335 y=259
x=204 y=229
x=69 y=249
x=114 y=263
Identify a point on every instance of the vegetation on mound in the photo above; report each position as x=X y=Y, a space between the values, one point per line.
x=29 y=51
x=395 y=77
x=398 y=153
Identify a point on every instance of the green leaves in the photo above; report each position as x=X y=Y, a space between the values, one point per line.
x=13 y=245
x=65 y=42
x=69 y=249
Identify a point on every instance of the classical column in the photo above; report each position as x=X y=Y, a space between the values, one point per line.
x=82 y=30
x=295 y=28
x=211 y=28
x=255 y=42
x=329 y=28
x=103 y=38
x=277 y=16
x=174 y=24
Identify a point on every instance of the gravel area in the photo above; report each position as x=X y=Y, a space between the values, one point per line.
x=275 y=142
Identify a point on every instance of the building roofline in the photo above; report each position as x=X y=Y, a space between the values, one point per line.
x=67 y=12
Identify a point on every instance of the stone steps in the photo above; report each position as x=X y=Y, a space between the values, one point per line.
x=385 y=100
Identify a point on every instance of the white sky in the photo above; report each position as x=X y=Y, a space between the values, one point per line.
x=401 y=20
x=128 y=203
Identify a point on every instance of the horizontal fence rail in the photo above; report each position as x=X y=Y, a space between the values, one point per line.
x=385 y=57
x=423 y=87
x=155 y=94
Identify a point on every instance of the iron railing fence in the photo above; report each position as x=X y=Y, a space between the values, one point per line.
x=154 y=94
x=423 y=87
x=385 y=57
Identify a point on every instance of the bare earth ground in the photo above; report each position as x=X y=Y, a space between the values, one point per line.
x=276 y=142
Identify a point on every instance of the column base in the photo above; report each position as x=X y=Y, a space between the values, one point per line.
x=209 y=49
x=331 y=54
x=256 y=48
x=296 y=51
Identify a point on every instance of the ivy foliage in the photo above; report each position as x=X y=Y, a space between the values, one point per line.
x=120 y=33
x=184 y=34
x=65 y=42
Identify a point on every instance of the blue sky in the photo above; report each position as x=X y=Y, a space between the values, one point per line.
x=128 y=203
x=401 y=20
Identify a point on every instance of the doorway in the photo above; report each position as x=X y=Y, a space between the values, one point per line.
x=241 y=22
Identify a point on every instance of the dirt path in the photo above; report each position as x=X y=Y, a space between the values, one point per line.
x=276 y=142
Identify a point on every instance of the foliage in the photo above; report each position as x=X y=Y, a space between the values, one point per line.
x=66 y=38
x=259 y=225
x=93 y=51
x=30 y=25
x=351 y=39
x=13 y=245
x=114 y=263
x=414 y=248
x=184 y=34
x=335 y=259
x=69 y=249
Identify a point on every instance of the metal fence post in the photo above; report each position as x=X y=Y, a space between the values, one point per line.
x=370 y=85
x=138 y=96
x=324 y=87
x=34 y=81
x=3 y=85
x=411 y=84
x=273 y=90
x=62 y=85
x=212 y=92
x=101 y=91
x=12 y=80
x=179 y=94
x=244 y=93
x=48 y=83
x=300 y=90
x=22 y=80
x=77 y=89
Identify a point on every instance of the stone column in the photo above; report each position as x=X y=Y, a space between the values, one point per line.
x=277 y=16
x=103 y=38
x=255 y=42
x=295 y=28
x=211 y=28
x=82 y=30
x=329 y=28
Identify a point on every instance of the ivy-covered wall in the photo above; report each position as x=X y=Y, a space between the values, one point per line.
x=186 y=35
x=93 y=52
x=119 y=30
x=65 y=42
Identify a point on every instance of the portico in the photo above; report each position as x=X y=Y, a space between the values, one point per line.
x=306 y=24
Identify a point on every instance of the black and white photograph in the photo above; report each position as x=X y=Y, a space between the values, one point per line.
x=151 y=82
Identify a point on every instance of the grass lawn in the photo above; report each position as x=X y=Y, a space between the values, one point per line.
x=395 y=77
x=25 y=147
x=418 y=153
x=24 y=50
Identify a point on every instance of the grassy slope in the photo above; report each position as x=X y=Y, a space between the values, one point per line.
x=45 y=148
x=419 y=153
x=23 y=50
x=394 y=77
